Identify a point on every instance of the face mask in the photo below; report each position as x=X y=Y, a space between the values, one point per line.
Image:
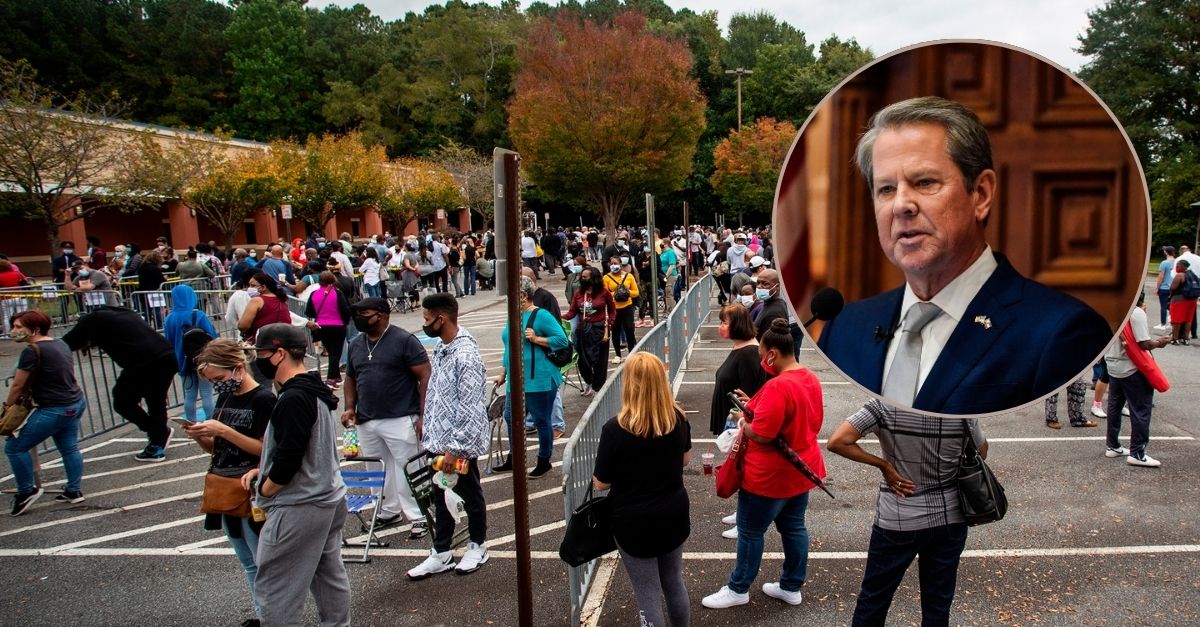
x=768 y=366
x=430 y=331
x=320 y=245
x=615 y=269
x=68 y=251
x=253 y=255
x=585 y=283
x=362 y=323
x=84 y=273
x=576 y=269
x=646 y=249
x=253 y=292
x=723 y=331
x=268 y=369
x=19 y=335
x=625 y=261
x=746 y=300
x=762 y=293
x=228 y=386
x=621 y=243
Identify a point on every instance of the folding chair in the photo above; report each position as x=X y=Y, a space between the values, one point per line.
x=495 y=413
x=357 y=501
x=419 y=473
x=570 y=372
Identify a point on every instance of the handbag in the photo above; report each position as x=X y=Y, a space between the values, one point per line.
x=15 y=415
x=621 y=294
x=979 y=493
x=729 y=474
x=589 y=531
x=225 y=495
x=560 y=357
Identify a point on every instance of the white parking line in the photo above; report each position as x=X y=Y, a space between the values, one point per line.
x=143 y=466
x=107 y=512
x=127 y=534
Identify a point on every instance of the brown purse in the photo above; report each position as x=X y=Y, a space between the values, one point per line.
x=225 y=495
x=15 y=415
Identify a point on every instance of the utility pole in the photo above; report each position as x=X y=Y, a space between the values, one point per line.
x=740 y=72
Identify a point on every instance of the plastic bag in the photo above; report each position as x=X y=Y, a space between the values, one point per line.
x=725 y=440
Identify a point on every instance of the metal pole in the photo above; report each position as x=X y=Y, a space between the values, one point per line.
x=653 y=258
x=1196 y=207
x=739 y=88
x=499 y=218
x=687 y=248
x=516 y=378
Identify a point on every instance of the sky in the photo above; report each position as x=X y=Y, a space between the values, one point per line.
x=1048 y=28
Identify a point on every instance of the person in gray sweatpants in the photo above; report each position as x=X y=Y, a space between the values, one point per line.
x=301 y=490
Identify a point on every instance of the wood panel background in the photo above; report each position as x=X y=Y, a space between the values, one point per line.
x=1071 y=206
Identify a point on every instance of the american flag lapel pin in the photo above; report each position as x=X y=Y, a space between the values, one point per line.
x=984 y=321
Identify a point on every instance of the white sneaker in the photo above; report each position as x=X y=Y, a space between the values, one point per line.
x=1145 y=461
x=1120 y=451
x=775 y=592
x=1097 y=412
x=1125 y=410
x=475 y=557
x=615 y=360
x=724 y=598
x=730 y=519
x=434 y=564
x=730 y=533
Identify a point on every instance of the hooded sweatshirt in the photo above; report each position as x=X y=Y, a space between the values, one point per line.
x=300 y=446
x=737 y=256
x=184 y=317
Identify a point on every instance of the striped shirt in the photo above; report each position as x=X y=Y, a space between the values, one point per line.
x=924 y=449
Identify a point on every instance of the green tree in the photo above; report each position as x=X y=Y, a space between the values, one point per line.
x=418 y=188
x=1143 y=62
x=275 y=87
x=329 y=174
x=605 y=113
x=55 y=150
x=233 y=188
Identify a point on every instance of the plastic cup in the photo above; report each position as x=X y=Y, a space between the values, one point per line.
x=707 y=460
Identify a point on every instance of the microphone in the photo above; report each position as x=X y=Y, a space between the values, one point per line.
x=826 y=304
x=881 y=335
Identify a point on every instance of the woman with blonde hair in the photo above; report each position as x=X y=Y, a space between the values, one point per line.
x=640 y=459
x=234 y=437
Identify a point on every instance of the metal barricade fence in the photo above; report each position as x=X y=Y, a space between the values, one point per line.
x=669 y=340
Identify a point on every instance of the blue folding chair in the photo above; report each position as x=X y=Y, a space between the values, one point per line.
x=360 y=485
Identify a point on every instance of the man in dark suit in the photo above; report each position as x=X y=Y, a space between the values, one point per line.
x=966 y=334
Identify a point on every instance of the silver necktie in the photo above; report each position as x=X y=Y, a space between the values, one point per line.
x=901 y=384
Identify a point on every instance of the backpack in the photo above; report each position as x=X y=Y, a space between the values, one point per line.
x=622 y=293
x=194 y=341
x=560 y=357
x=1191 y=285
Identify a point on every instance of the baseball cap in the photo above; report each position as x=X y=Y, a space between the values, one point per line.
x=280 y=335
x=373 y=303
x=758 y=262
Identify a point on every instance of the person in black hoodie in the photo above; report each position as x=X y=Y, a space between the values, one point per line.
x=147 y=364
x=299 y=485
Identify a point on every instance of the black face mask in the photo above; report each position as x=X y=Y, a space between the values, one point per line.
x=430 y=331
x=585 y=283
x=363 y=323
x=267 y=368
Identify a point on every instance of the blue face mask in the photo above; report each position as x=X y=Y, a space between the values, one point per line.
x=320 y=244
x=762 y=293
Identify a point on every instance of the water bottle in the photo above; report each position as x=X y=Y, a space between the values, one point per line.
x=350 y=443
x=257 y=513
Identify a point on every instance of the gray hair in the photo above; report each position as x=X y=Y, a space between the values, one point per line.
x=527 y=287
x=967 y=141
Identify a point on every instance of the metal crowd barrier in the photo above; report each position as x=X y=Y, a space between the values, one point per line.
x=669 y=340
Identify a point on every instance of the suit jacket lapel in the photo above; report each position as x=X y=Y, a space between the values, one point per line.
x=880 y=324
x=971 y=340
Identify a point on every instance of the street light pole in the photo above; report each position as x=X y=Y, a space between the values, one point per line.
x=1196 y=207
x=739 y=72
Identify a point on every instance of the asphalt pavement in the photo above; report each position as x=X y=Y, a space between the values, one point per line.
x=1087 y=540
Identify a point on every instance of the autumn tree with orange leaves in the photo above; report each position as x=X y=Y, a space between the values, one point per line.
x=605 y=113
x=747 y=165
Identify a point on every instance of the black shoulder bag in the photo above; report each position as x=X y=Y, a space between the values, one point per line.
x=560 y=357
x=979 y=493
x=589 y=532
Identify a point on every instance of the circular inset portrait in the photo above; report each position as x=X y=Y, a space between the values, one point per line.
x=983 y=216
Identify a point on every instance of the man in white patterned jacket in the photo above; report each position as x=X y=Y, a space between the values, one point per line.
x=456 y=426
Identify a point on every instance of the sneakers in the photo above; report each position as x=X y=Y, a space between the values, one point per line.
x=68 y=496
x=475 y=557
x=388 y=521
x=775 y=592
x=1125 y=410
x=1120 y=451
x=730 y=534
x=434 y=564
x=615 y=360
x=724 y=598
x=1054 y=424
x=419 y=529
x=151 y=453
x=1085 y=423
x=588 y=391
x=730 y=519
x=558 y=433
x=1097 y=411
x=24 y=500
x=639 y=324
x=1144 y=461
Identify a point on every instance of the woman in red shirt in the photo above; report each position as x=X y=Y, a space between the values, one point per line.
x=597 y=311
x=772 y=490
x=10 y=276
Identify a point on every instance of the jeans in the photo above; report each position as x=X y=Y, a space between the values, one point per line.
x=195 y=386
x=754 y=515
x=532 y=264
x=557 y=422
x=372 y=290
x=454 y=280
x=470 y=273
x=60 y=423
x=1164 y=304
x=623 y=328
x=1136 y=392
x=245 y=548
x=541 y=406
x=890 y=554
